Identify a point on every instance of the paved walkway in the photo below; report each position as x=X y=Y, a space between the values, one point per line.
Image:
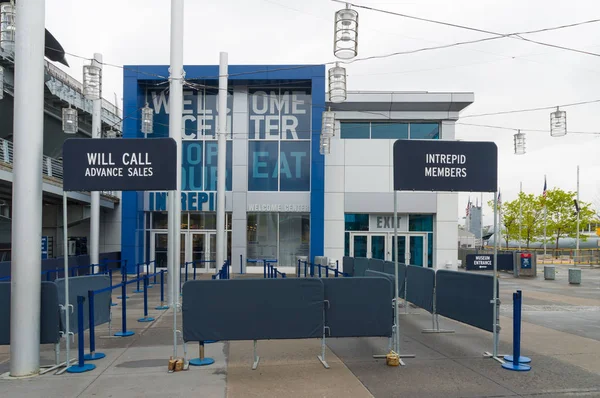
x=565 y=358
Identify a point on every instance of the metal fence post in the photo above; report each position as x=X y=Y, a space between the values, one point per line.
x=138 y=290
x=146 y=318
x=124 y=332
x=81 y=365
x=93 y=355
x=162 y=292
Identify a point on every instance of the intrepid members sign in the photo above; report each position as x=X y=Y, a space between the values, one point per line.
x=427 y=165
x=119 y=164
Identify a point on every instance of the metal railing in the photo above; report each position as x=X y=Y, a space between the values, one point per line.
x=51 y=168
x=76 y=85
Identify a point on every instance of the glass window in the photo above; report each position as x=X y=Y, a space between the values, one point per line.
x=424 y=131
x=355 y=130
x=184 y=220
x=356 y=222
x=228 y=221
x=347 y=244
x=160 y=220
x=420 y=222
x=430 y=249
x=294 y=166
x=204 y=221
x=262 y=235
x=294 y=237
x=389 y=130
x=263 y=171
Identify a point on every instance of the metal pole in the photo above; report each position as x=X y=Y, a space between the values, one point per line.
x=578 y=218
x=520 y=212
x=175 y=115
x=545 y=219
x=221 y=164
x=397 y=331
x=495 y=299
x=481 y=221
x=95 y=195
x=27 y=189
x=66 y=266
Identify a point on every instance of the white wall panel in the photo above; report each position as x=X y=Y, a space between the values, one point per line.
x=367 y=152
x=334 y=234
x=337 y=155
x=334 y=206
x=367 y=178
x=334 y=178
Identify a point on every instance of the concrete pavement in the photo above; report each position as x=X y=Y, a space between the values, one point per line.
x=559 y=334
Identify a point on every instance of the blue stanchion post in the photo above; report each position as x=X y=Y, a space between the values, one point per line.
x=162 y=305
x=146 y=318
x=337 y=268
x=93 y=355
x=515 y=361
x=201 y=360
x=298 y=270
x=186 y=270
x=241 y=265
x=124 y=332
x=305 y=268
x=265 y=269
x=137 y=289
x=110 y=272
x=124 y=282
x=154 y=262
x=81 y=365
x=319 y=265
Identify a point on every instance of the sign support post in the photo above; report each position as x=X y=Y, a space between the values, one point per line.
x=221 y=164
x=450 y=166
x=95 y=195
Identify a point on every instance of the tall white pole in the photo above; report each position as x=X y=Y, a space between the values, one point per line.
x=95 y=195
x=66 y=308
x=495 y=275
x=28 y=142
x=397 y=331
x=520 y=212
x=578 y=218
x=175 y=115
x=545 y=220
x=481 y=220
x=221 y=164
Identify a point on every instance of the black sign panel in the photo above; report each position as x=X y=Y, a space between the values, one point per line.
x=485 y=262
x=119 y=164
x=453 y=166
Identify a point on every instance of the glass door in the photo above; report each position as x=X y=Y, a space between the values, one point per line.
x=159 y=246
x=199 y=251
x=378 y=244
x=182 y=255
x=212 y=254
x=417 y=250
x=401 y=249
x=358 y=245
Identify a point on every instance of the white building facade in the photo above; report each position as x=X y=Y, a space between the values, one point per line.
x=359 y=201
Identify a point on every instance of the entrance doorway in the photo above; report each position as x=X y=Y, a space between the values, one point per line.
x=412 y=246
x=197 y=247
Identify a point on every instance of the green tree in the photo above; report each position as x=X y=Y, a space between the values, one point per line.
x=509 y=223
x=562 y=216
x=532 y=217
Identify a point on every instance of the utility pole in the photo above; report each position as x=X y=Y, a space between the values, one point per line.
x=28 y=140
x=578 y=218
x=95 y=195
x=175 y=115
x=221 y=164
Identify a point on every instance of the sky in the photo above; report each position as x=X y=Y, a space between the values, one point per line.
x=504 y=74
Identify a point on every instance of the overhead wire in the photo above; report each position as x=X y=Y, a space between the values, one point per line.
x=523 y=129
x=489 y=32
x=531 y=109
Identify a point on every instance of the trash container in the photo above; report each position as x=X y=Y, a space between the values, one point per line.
x=574 y=276
x=549 y=272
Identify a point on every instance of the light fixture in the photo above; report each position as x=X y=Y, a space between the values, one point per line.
x=7 y=27
x=558 y=123
x=519 y=139
x=337 y=84
x=1 y=82
x=325 y=147
x=110 y=134
x=345 y=39
x=92 y=82
x=70 y=120
x=147 y=120
x=328 y=124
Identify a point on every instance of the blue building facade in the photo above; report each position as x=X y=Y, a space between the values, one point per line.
x=275 y=172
